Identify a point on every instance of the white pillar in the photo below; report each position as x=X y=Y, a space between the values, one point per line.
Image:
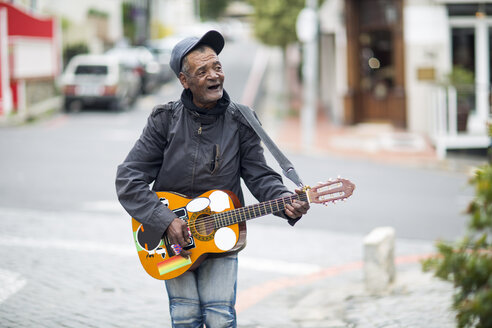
x=307 y=31
x=379 y=262
x=4 y=65
x=482 y=71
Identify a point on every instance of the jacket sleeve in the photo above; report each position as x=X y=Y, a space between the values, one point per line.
x=263 y=182
x=139 y=170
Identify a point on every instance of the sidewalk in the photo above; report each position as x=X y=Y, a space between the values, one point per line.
x=377 y=142
x=334 y=295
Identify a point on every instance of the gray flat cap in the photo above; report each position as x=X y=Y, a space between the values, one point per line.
x=212 y=38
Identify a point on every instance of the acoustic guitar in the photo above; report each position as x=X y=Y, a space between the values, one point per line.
x=217 y=224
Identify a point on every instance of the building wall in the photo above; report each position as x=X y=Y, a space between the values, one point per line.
x=80 y=29
x=333 y=59
x=427 y=59
x=174 y=15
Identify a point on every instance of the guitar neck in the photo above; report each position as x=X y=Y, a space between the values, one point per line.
x=242 y=214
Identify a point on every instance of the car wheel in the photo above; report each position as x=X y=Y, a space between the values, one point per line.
x=116 y=106
x=73 y=106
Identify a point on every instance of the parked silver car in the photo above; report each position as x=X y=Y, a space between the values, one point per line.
x=143 y=63
x=98 y=80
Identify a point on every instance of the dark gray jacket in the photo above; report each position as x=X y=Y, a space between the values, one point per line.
x=190 y=153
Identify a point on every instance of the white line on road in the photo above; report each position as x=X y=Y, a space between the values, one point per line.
x=277 y=266
x=248 y=263
x=104 y=206
x=10 y=283
x=80 y=246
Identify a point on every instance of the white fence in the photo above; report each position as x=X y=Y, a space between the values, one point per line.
x=460 y=118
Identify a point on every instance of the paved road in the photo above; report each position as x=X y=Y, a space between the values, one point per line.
x=68 y=259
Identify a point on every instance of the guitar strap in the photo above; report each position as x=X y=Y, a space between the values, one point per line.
x=285 y=164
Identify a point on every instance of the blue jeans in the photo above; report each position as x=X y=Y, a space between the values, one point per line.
x=205 y=296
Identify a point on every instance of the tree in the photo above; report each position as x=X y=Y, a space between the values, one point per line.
x=468 y=263
x=212 y=9
x=274 y=21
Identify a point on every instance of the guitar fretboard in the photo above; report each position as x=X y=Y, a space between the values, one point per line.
x=253 y=211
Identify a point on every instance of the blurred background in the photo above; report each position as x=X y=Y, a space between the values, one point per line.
x=392 y=94
x=421 y=66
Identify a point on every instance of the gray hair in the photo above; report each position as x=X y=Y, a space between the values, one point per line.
x=185 y=67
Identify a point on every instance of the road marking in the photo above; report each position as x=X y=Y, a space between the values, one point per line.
x=255 y=294
x=80 y=246
x=277 y=266
x=104 y=206
x=10 y=283
x=249 y=263
x=58 y=121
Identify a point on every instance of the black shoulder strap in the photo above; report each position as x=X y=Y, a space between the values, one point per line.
x=285 y=164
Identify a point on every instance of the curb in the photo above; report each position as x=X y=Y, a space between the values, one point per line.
x=32 y=112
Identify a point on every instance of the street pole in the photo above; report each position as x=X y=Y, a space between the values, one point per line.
x=307 y=31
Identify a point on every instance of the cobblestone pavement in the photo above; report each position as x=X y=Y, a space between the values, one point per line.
x=52 y=275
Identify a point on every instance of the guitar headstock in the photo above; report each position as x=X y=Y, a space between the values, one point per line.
x=331 y=191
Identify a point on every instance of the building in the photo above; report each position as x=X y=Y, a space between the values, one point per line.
x=37 y=38
x=391 y=60
x=29 y=59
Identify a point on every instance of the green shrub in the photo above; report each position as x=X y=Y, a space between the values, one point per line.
x=468 y=263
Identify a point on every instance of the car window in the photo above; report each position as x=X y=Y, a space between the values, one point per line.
x=91 y=70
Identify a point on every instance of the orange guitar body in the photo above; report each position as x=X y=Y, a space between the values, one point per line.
x=217 y=224
x=162 y=261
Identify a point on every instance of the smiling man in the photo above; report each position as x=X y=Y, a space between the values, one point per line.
x=198 y=143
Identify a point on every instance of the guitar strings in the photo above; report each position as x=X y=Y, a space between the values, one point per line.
x=247 y=212
x=250 y=212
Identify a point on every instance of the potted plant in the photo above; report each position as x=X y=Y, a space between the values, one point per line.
x=463 y=80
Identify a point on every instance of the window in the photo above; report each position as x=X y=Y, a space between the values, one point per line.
x=91 y=70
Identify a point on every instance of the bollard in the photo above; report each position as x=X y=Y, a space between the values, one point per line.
x=379 y=262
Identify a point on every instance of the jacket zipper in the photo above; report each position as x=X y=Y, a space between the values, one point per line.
x=195 y=159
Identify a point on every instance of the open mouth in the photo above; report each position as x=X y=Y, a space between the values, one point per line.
x=214 y=87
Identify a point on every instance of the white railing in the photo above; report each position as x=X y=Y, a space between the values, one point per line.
x=460 y=118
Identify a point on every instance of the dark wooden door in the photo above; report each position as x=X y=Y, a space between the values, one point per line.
x=375 y=62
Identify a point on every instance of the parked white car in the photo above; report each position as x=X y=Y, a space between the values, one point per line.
x=143 y=63
x=98 y=80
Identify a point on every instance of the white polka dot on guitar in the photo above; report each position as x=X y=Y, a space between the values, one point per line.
x=225 y=238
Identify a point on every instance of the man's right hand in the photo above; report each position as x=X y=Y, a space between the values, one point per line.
x=178 y=233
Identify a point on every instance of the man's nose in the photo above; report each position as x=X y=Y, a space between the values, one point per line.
x=213 y=74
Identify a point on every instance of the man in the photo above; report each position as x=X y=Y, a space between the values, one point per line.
x=198 y=143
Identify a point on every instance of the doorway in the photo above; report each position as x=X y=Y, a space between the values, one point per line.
x=470 y=35
x=375 y=62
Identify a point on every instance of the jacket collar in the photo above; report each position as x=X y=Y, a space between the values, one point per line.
x=219 y=109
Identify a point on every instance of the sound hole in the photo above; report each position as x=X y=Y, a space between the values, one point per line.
x=203 y=227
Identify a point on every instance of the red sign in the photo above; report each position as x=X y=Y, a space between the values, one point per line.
x=23 y=24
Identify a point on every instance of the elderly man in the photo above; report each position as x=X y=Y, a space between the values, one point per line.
x=189 y=146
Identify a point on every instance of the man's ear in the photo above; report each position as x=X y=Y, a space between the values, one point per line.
x=182 y=79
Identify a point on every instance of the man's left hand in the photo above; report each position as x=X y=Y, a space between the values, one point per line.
x=297 y=209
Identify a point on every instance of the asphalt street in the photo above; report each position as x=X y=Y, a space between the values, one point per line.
x=68 y=259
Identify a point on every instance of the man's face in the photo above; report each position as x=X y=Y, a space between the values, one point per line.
x=204 y=77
